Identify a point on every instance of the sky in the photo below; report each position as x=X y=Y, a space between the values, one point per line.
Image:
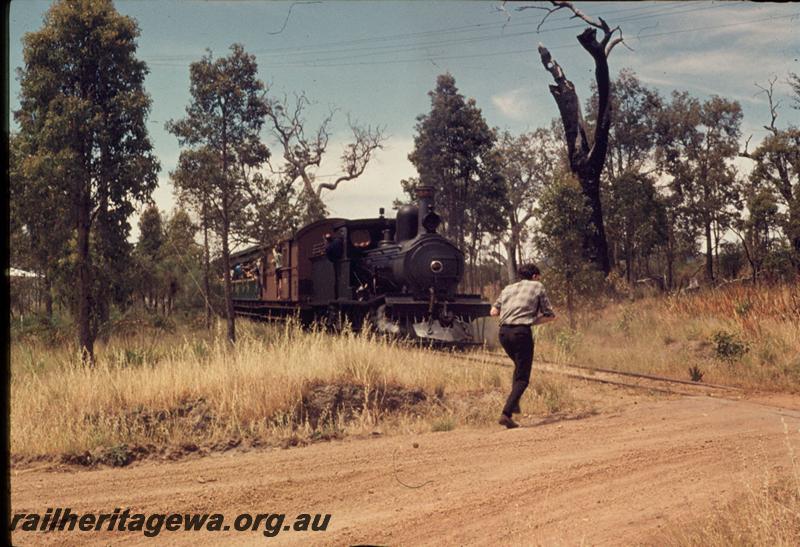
x=376 y=61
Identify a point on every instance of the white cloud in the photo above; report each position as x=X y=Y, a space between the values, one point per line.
x=515 y=104
x=722 y=62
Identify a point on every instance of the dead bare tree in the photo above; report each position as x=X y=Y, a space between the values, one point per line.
x=586 y=158
x=303 y=154
x=774 y=105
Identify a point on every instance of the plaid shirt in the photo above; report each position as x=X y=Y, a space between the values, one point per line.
x=521 y=302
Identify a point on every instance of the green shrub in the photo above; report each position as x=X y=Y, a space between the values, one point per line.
x=728 y=346
x=625 y=321
x=567 y=341
x=445 y=423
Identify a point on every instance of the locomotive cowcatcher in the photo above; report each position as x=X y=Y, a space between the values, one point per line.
x=398 y=274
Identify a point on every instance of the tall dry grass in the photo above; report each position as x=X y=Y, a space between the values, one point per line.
x=740 y=335
x=153 y=386
x=192 y=387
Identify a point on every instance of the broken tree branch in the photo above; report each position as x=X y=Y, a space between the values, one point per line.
x=773 y=106
x=357 y=154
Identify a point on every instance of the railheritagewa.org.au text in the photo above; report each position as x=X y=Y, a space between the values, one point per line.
x=151 y=525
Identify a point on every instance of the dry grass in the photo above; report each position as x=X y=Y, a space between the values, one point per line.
x=742 y=336
x=191 y=387
x=767 y=514
x=161 y=386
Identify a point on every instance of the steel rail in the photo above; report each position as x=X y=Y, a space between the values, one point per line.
x=577 y=376
x=494 y=359
x=631 y=374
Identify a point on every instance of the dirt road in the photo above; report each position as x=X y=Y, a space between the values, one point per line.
x=614 y=478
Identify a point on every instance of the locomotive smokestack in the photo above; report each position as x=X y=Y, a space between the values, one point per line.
x=428 y=219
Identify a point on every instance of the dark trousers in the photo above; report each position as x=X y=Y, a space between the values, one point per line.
x=517 y=340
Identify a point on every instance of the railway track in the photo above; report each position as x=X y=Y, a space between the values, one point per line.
x=617 y=378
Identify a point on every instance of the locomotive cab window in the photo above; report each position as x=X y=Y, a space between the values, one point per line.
x=360 y=239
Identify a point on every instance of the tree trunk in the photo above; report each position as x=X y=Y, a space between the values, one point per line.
x=48 y=296
x=670 y=271
x=226 y=225
x=628 y=267
x=794 y=227
x=628 y=261
x=669 y=254
x=599 y=244
x=206 y=269
x=709 y=254
x=570 y=304
x=716 y=248
x=511 y=262
x=473 y=261
x=102 y=314
x=613 y=252
x=85 y=333
x=751 y=260
x=226 y=259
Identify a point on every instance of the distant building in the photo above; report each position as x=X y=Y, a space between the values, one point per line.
x=25 y=290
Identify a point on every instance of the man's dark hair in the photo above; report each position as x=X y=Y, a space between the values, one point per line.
x=527 y=271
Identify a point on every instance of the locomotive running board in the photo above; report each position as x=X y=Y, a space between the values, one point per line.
x=408 y=305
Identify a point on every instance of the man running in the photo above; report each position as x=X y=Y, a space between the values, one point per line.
x=520 y=306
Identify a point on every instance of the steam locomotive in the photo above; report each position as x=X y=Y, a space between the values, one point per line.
x=399 y=275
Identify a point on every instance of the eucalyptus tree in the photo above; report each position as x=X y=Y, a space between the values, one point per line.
x=637 y=218
x=82 y=118
x=564 y=216
x=698 y=143
x=39 y=239
x=181 y=260
x=528 y=162
x=221 y=130
x=757 y=231
x=794 y=83
x=632 y=138
x=454 y=152
x=149 y=252
x=193 y=180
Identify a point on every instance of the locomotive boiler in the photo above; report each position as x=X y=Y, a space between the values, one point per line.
x=398 y=275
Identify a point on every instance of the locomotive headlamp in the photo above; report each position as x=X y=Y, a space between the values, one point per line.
x=436 y=266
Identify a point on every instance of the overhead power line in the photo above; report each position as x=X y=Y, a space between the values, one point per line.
x=383 y=50
x=314 y=49
x=521 y=21
x=391 y=49
x=525 y=50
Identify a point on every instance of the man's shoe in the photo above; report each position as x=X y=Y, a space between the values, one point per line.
x=507 y=421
